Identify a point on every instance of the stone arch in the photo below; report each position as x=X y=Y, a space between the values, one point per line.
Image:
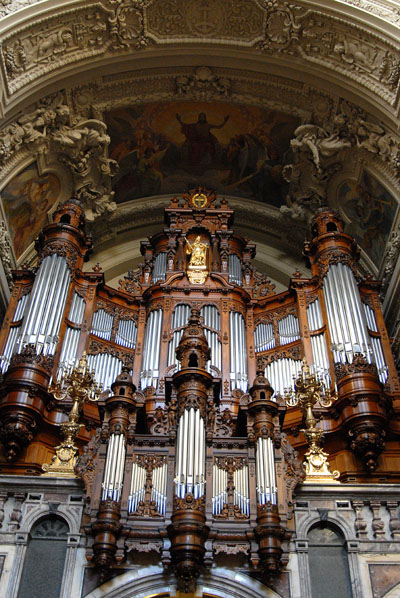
x=151 y=581
x=336 y=522
x=71 y=516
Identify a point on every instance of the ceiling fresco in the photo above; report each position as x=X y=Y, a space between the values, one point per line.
x=371 y=210
x=169 y=147
x=26 y=201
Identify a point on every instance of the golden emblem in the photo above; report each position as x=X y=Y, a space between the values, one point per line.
x=199 y=200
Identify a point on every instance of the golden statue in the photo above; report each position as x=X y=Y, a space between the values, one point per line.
x=197 y=268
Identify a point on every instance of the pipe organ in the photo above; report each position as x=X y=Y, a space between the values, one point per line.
x=194 y=352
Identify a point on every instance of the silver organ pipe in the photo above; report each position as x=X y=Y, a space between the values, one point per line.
x=241 y=496
x=318 y=342
x=43 y=314
x=159 y=487
x=160 y=267
x=219 y=495
x=264 y=338
x=379 y=359
x=71 y=337
x=77 y=309
x=346 y=317
x=20 y=309
x=265 y=471
x=102 y=324
x=114 y=469
x=138 y=487
x=151 y=349
x=370 y=317
x=211 y=319
x=126 y=334
x=238 y=351
x=288 y=329
x=235 y=269
x=190 y=451
x=10 y=346
x=179 y=320
x=376 y=344
x=281 y=373
x=105 y=367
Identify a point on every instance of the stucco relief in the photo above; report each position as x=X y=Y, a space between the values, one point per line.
x=380 y=8
x=320 y=152
x=9 y=6
x=232 y=19
x=385 y=9
x=52 y=42
x=202 y=84
x=77 y=146
x=114 y=27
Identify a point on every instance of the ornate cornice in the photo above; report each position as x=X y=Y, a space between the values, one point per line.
x=339 y=45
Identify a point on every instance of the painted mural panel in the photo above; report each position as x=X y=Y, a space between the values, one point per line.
x=371 y=209
x=26 y=200
x=169 y=147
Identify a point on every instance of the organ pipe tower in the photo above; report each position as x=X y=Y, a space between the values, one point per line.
x=191 y=452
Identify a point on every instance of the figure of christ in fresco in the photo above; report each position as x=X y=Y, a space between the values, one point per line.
x=185 y=143
x=201 y=143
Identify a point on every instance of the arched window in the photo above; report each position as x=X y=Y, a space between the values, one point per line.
x=45 y=557
x=328 y=563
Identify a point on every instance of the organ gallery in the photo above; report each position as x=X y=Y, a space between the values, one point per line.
x=194 y=400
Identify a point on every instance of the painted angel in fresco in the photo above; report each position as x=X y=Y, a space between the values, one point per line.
x=149 y=171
